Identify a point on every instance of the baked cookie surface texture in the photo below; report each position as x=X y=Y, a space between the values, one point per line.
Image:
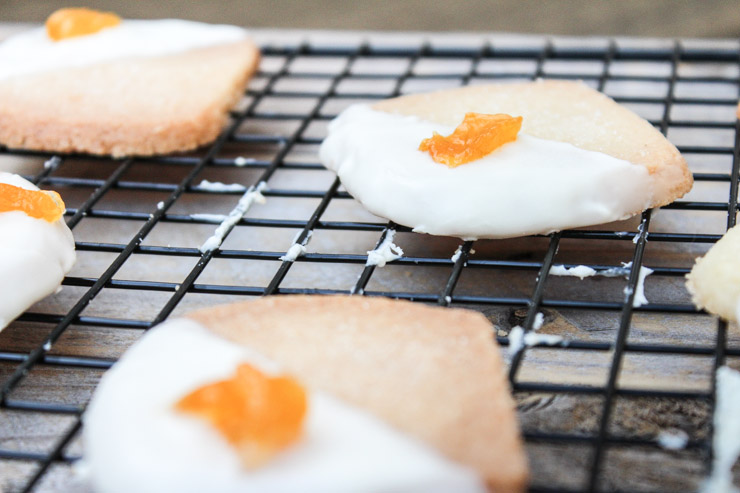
x=140 y=87
x=36 y=246
x=400 y=397
x=714 y=281
x=579 y=159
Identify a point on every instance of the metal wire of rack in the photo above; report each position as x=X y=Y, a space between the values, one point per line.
x=329 y=76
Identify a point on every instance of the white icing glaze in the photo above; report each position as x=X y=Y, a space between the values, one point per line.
x=386 y=252
x=525 y=187
x=34 y=256
x=135 y=441
x=726 y=442
x=33 y=51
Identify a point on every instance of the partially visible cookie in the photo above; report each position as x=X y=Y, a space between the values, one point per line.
x=401 y=397
x=714 y=281
x=36 y=246
x=419 y=368
x=138 y=88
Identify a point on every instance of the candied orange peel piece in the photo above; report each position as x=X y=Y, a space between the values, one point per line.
x=40 y=204
x=478 y=135
x=72 y=22
x=258 y=414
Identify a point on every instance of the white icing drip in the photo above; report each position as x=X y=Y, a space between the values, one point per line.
x=639 y=298
x=518 y=339
x=579 y=271
x=637 y=236
x=528 y=186
x=53 y=162
x=343 y=448
x=243 y=161
x=245 y=202
x=217 y=186
x=726 y=443
x=534 y=339
x=34 y=256
x=386 y=252
x=539 y=319
x=583 y=271
x=616 y=271
x=673 y=439
x=297 y=249
x=456 y=256
x=33 y=51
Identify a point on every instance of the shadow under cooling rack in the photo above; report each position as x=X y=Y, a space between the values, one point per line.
x=592 y=408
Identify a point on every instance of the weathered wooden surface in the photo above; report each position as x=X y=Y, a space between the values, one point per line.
x=627 y=468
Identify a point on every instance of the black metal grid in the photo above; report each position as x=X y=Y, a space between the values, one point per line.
x=280 y=70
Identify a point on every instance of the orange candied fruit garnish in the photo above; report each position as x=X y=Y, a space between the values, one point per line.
x=478 y=135
x=258 y=414
x=41 y=204
x=71 y=22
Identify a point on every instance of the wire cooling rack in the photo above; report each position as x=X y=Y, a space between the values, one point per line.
x=594 y=411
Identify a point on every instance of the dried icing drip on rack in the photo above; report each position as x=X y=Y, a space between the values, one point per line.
x=386 y=252
x=579 y=271
x=217 y=186
x=583 y=271
x=519 y=339
x=673 y=439
x=296 y=249
x=251 y=196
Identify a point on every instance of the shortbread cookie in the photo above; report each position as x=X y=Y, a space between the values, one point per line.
x=714 y=281
x=400 y=397
x=579 y=159
x=36 y=246
x=137 y=88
